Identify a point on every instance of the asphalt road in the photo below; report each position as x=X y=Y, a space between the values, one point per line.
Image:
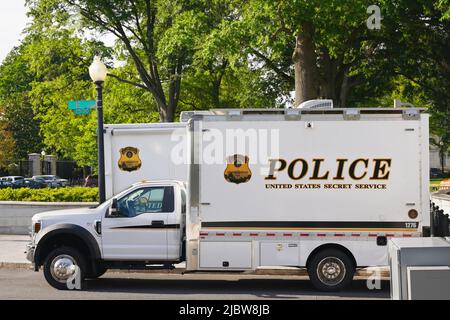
x=27 y=284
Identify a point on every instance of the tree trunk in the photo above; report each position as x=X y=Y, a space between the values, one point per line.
x=304 y=58
x=215 y=94
x=217 y=82
x=345 y=89
x=327 y=83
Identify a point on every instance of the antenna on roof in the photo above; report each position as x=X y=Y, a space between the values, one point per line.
x=398 y=104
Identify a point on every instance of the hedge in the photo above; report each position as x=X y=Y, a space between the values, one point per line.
x=68 y=194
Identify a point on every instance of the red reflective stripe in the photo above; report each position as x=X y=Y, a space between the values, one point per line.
x=220 y=234
x=356 y=234
x=270 y=234
x=237 y=234
x=253 y=234
x=339 y=235
x=390 y=235
x=321 y=234
x=287 y=234
x=304 y=234
x=203 y=233
x=373 y=235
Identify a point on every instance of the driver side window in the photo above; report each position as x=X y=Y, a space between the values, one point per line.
x=146 y=200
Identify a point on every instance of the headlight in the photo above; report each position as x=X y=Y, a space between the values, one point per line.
x=36 y=227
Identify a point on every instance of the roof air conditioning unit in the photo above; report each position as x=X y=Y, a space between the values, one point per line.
x=316 y=104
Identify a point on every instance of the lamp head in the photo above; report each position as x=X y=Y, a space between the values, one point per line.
x=98 y=70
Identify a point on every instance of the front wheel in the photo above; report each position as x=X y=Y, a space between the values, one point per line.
x=64 y=268
x=331 y=270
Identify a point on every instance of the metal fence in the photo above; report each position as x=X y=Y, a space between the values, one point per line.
x=66 y=169
x=440 y=223
x=18 y=168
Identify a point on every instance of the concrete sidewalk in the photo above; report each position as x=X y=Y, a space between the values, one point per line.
x=12 y=248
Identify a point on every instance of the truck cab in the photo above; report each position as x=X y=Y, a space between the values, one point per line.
x=140 y=227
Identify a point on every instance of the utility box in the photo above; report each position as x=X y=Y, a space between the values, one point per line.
x=420 y=268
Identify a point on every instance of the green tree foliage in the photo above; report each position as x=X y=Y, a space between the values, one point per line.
x=18 y=116
x=60 y=63
x=414 y=46
x=184 y=55
x=54 y=67
x=158 y=37
x=7 y=143
x=312 y=46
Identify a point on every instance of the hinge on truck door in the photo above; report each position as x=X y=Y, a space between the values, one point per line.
x=234 y=115
x=410 y=114
x=292 y=114
x=351 y=114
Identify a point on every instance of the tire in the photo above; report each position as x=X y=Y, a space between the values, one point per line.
x=98 y=271
x=331 y=270
x=67 y=258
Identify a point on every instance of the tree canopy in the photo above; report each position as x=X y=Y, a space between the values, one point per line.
x=168 y=56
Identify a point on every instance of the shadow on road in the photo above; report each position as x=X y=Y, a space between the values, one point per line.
x=262 y=288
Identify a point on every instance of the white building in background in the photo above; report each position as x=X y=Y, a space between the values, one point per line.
x=435 y=161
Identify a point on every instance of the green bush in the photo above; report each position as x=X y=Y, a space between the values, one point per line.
x=69 y=194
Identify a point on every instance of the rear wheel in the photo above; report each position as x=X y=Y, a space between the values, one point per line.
x=331 y=270
x=64 y=268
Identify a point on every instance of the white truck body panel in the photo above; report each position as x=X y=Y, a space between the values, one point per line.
x=284 y=225
x=155 y=142
x=328 y=140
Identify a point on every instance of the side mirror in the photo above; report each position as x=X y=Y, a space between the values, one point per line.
x=113 y=210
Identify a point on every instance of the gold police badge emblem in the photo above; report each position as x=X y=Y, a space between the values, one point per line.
x=129 y=159
x=237 y=170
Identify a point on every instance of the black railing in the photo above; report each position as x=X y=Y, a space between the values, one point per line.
x=440 y=223
x=66 y=169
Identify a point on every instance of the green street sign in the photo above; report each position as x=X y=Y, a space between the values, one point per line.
x=82 y=107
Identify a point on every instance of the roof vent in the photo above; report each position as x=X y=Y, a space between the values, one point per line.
x=317 y=104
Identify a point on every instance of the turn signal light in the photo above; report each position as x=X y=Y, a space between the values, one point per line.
x=37 y=227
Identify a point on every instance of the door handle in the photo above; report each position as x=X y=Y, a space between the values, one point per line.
x=157 y=222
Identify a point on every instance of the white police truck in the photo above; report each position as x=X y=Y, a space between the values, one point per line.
x=239 y=189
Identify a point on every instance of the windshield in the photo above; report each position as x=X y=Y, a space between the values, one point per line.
x=119 y=195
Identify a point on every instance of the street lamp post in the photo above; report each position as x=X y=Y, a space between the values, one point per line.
x=97 y=72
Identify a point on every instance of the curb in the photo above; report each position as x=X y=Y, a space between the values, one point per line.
x=15 y=265
x=265 y=272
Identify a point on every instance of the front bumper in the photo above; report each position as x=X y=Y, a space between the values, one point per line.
x=29 y=252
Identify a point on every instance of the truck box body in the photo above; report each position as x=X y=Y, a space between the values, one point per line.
x=364 y=178
x=323 y=176
x=150 y=146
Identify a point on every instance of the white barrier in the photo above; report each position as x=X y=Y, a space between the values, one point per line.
x=15 y=216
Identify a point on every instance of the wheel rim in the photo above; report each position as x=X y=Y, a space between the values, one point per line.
x=63 y=267
x=331 y=271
